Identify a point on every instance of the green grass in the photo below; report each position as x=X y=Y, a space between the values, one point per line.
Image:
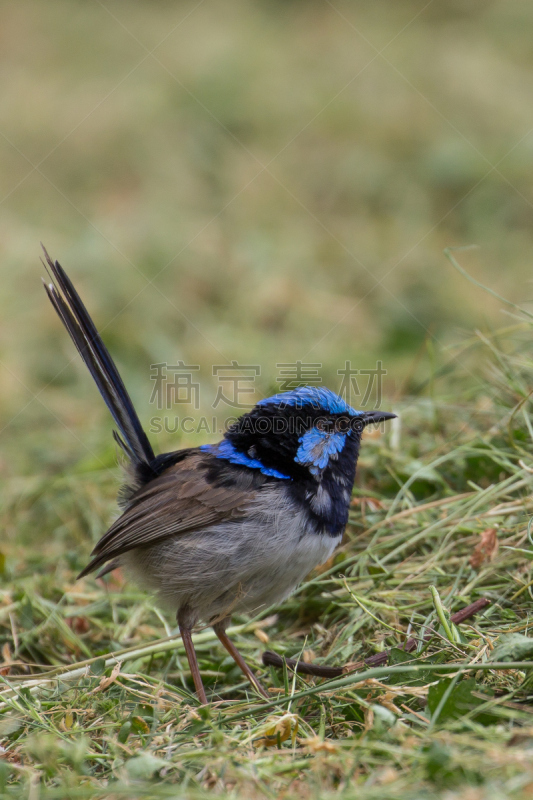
x=77 y=721
x=276 y=181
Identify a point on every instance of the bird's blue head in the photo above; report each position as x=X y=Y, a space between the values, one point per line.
x=307 y=433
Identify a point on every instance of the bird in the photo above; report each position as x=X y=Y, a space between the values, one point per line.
x=230 y=527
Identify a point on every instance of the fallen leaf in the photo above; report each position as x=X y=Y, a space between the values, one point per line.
x=139 y=725
x=105 y=683
x=486 y=549
x=68 y=720
x=78 y=624
x=277 y=729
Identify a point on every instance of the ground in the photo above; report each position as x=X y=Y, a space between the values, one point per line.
x=268 y=183
x=97 y=698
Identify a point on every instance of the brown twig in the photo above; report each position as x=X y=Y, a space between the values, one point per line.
x=377 y=660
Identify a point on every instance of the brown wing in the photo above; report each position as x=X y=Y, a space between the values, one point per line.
x=179 y=500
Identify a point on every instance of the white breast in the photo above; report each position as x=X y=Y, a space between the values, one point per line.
x=240 y=565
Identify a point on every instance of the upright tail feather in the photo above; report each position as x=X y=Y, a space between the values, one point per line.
x=91 y=348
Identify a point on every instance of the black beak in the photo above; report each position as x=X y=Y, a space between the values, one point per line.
x=371 y=417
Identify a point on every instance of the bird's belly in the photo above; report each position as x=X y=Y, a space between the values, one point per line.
x=237 y=566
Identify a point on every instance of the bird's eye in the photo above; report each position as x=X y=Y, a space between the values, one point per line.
x=323 y=425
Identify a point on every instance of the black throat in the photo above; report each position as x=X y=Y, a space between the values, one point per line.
x=326 y=498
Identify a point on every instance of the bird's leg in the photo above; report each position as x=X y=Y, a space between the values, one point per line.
x=220 y=630
x=193 y=662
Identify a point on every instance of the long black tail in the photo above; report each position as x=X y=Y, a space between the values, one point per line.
x=83 y=333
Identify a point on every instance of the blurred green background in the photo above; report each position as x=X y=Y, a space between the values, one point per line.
x=257 y=181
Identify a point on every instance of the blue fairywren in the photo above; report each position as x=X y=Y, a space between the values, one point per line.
x=229 y=527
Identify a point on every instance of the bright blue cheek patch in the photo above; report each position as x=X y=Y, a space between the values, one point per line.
x=317 y=447
x=227 y=451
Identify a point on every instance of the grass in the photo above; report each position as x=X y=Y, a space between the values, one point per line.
x=276 y=181
x=96 y=695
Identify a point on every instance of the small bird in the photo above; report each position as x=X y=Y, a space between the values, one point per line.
x=230 y=527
